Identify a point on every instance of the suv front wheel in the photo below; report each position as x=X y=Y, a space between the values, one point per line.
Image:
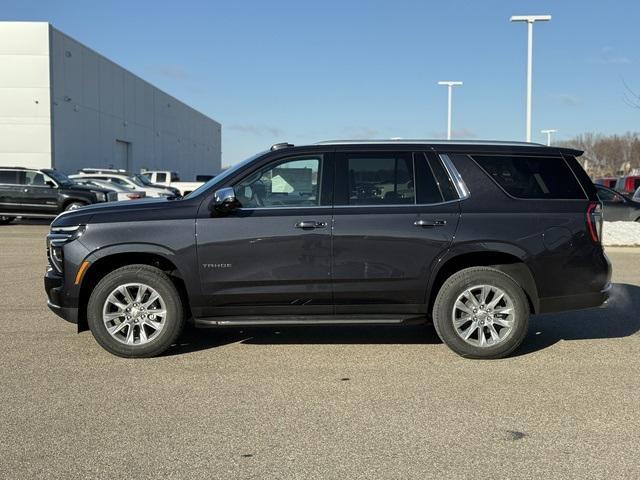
x=135 y=311
x=481 y=313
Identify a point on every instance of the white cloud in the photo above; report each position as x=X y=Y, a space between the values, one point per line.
x=608 y=56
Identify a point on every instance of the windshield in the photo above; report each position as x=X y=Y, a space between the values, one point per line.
x=141 y=180
x=60 y=178
x=224 y=175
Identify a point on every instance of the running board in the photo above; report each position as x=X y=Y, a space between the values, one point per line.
x=271 y=320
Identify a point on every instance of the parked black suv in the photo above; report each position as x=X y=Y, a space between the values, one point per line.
x=45 y=193
x=475 y=236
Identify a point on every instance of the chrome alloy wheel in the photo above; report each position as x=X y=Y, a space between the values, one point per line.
x=483 y=315
x=134 y=313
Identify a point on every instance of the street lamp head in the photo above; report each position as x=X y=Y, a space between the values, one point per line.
x=550 y=130
x=449 y=83
x=530 y=18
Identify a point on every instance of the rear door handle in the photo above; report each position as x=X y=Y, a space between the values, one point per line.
x=430 y=223
x=310 y=224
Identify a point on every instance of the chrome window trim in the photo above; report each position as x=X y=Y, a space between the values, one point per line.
x=456 y=178
x=396 y=205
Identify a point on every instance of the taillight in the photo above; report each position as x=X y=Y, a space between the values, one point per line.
x=133 y=196
x=594 y=221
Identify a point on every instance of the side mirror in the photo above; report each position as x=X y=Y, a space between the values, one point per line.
x=617 y=199
x=50 y=184
x=224 y=200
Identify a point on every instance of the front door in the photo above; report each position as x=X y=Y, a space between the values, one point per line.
x=395 y=213
x=40 y=197
x=272 y=255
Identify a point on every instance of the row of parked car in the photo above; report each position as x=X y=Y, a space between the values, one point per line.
x=27 y=192
x=620 y=197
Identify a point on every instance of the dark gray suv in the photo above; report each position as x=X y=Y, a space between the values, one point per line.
x=44 y=193
x=474 y=236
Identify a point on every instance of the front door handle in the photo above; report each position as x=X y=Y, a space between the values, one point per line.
x=310 y=224
x=430 y=223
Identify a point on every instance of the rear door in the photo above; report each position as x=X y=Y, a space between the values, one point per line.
x=12 y=186
x=394 y=215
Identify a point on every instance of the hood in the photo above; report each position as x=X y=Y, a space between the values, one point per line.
x=141 y=210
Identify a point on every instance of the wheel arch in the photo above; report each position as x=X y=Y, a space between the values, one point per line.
x=505 y=258
x=69 y=200
x=105 y=261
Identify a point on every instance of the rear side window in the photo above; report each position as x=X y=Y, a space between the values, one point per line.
x=161 y=177
x=9 y=177
x=532 y=177
x=380 y=179
x=427 y=183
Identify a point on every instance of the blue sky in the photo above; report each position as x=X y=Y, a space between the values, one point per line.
x=304 y=71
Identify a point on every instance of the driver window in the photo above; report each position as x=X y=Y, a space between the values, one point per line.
x=293 y=182
x=35 y=179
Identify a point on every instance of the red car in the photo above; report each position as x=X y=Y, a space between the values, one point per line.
x=628 y=185
x=608 y=182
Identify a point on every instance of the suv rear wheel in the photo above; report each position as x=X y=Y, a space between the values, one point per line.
x=481 y=312
x=135 y=311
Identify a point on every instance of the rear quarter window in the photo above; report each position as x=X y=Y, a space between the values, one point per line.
x=532 y=177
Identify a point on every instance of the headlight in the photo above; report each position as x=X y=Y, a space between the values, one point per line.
x=56 y=240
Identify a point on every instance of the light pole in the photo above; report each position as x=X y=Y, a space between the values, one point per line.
x=450 y=86
x=530 y=19
x=548 y=133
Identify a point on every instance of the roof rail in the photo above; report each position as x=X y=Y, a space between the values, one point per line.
x=278 y=146
x=102 y=170
x=430 y=141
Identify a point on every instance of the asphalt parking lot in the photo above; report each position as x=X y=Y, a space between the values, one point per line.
x=366 y=402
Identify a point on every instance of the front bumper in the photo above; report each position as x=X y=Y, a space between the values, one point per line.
x=54 y=286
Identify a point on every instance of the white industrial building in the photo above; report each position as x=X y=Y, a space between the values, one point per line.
x=62 y=105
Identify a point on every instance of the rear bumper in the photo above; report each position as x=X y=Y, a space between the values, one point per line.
x=575 y=302
x=54 y=286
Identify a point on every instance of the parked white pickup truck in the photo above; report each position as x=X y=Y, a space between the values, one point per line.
x=167 y=178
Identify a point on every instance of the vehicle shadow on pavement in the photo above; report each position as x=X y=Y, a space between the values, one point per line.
x=619 y=318
x=194 y=339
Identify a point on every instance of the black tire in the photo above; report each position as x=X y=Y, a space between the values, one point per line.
x=6 y=220
x=154 y=278
x=454 y=286
x=73 y=206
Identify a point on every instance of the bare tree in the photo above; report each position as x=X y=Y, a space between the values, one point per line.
x=630 y=97
x=608 y=154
